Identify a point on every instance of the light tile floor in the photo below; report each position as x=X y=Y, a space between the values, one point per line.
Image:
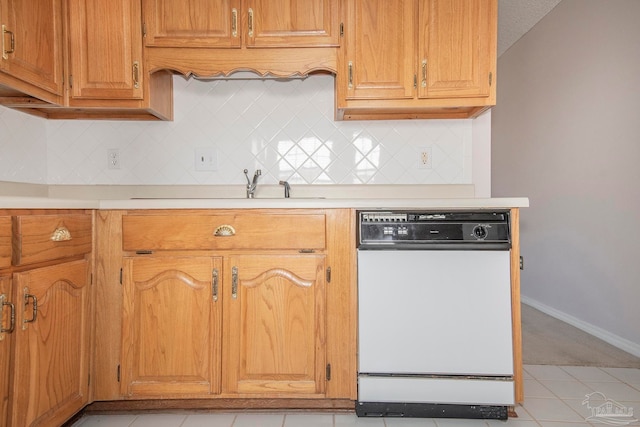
x=555 y=396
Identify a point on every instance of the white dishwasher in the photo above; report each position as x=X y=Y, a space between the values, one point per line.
x=434 y=314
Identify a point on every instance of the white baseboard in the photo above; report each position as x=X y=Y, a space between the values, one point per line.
x=614 y=340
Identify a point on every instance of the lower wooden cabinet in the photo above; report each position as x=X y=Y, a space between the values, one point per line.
x=171 y=326
x=7 y=324
x=51 y=356
x=254 y=314
x=274 y=325
x=270 y=341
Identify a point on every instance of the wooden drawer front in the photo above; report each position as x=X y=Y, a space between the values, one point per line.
x=5 y=241
x=40 y=238
x=252 y=231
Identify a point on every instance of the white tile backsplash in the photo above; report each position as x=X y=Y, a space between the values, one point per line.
x=23 y=147
x=284 y=128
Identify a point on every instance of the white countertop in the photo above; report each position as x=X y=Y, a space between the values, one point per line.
x=269 y=197
x=17 y=202
x=293 y=203
x=311 y=203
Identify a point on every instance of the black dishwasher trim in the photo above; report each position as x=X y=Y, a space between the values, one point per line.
x=431 y=410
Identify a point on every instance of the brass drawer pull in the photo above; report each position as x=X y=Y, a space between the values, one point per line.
x=224 y=230
x=234 y=282
x=34 y=316
x=234 y=22
x=5 y=53
x=61 y=234
x=424 y=73
x=12 y=316
x=136 y=74
x=250 y=23
x=214 y=284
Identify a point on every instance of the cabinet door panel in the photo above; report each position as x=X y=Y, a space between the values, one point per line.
x=5 y=241
x=275 y=325
x=51 y=365
x=380 y=49
x=457 y=48
x=170 y=327
x=6 y=342
x=37 y=35
x=283 y=23
x=106 y=49
x=199 y=23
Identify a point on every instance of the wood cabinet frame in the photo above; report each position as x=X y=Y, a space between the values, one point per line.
x=340 y=298
x=339 y=302
x=47 y=354
x=36 y=34
x=458 y=73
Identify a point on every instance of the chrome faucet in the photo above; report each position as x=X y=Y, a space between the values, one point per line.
x=287 y=189
x=252 y=185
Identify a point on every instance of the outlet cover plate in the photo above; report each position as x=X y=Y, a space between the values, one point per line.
x=206 y=159
x=424 y=158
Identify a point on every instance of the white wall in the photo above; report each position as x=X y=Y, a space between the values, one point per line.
x=23 y=147
x=284 y=128
x=566 y=133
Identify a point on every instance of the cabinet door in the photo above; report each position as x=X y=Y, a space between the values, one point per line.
x=32 y=42
x=457 y=47
x=379 y=56
x=7 y=322
x=196 y=23
x=274 y=325
x=288 y=23
x=105 y=49
x=171 y=326
x=5 y=241
x=51 y=365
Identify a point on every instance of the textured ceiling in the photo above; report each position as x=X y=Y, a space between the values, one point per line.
x=516 y=17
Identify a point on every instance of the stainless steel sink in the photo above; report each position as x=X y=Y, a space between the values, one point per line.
x=225 y=198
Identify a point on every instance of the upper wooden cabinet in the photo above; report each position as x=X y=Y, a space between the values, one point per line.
x=417 y=59
x=32 y=40
x=108 y=77
x=381 y=46
x=196 y=23
x=289 y=23
x=393 y=59
x=456 y=53
x=105 y=41
x=232 y=23
x=104 y=70
x=207 y=38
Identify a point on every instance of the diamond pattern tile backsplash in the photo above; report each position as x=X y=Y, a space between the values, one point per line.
x=23 y=147
x=285 y=128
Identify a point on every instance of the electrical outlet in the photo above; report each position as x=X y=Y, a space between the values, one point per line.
x=206 y=159
x=424 y=158
x=113 y=158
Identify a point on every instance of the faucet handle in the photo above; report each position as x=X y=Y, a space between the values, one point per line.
x=287 y=188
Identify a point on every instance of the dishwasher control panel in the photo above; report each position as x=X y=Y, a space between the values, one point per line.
x=485 y=229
